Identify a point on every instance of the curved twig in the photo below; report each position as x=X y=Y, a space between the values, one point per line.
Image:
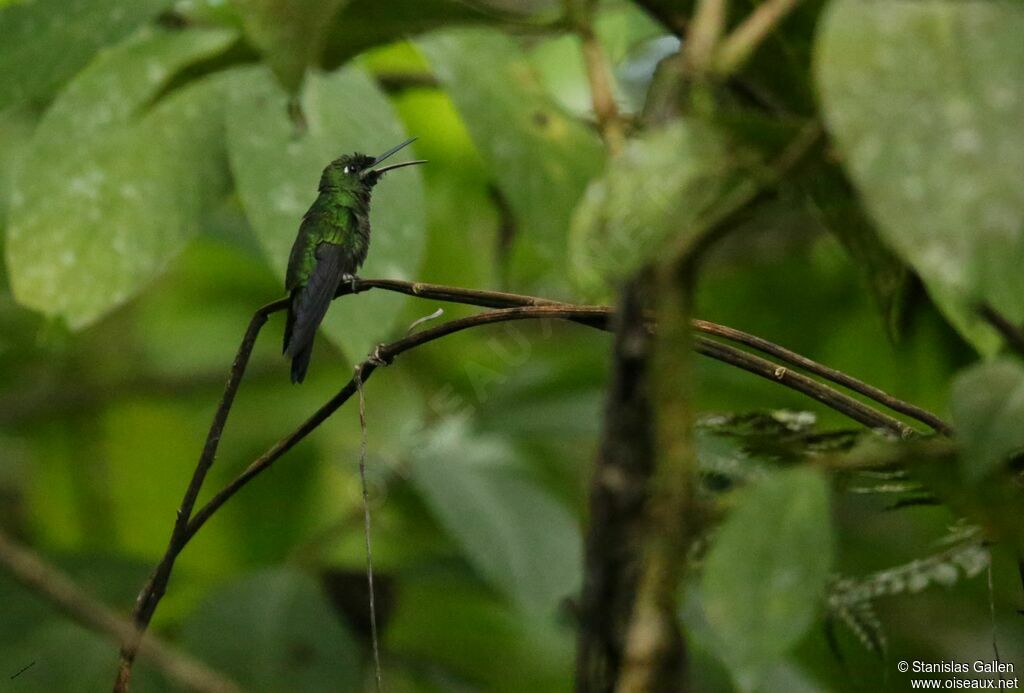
x=500 y=299
x=385 y=353
x=155 y=586
x=1011 y=334
x=844 y=404
x=838 y=377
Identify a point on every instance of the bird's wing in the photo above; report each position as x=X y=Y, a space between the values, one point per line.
x=300 y=247
x=310 y=303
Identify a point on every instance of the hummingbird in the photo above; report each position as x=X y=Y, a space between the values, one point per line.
x=332 y=243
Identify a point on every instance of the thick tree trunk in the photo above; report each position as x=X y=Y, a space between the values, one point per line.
x=618 y=501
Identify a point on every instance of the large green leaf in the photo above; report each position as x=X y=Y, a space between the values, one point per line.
x=59 y=654
x=841 y=212
x=519 y=538
x=661 y=187
x=43 y=43
x=925 y=101
x=119 y=85
x=540 y=158
x=765 y=576
x=63 y=656
x=275 y=631
x=290 y=33
x=106 y=197
x=536 y=654
x=988 y=412
x=362 y=24
x=277 y=170
x=16 y=126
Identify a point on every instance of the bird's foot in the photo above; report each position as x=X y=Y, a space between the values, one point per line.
x=379 y=358
x=352 y=281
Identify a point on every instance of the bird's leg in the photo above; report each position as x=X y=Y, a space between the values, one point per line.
x=351 y=280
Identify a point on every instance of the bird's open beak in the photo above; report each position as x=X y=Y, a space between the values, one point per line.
x=378 y=171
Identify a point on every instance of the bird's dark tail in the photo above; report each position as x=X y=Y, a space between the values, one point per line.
x=300 y=354
x=309 y=304
x=300 y=362
x=289 y=323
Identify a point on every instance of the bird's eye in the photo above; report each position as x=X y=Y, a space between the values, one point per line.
x=347 y=169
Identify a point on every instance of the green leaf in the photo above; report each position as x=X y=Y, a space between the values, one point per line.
x=45 y=42
x=842 y=214
x=275 y=631
x=117 y=88
x=107 y=197
x=765 y=576
x=925 y=101
x=290 y=33
x=63 y=655
x=362 y=24
x=277 y=171
x=540 y=158
x=536 y=654
x=519 y=538
x=66 y=657
x=16 y=126
x=660 y=188
x=987 y=403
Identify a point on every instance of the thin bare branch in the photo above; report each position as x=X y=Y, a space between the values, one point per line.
x=154 y=588
x=602 y=90
x=593 y=316
x=1012 y=334
x=58 y=589
x=844 y=404
x=838 y=377
x=368 y=533
x=498 y=299
x=705 y=33
x=385 y=353
x=737 y=48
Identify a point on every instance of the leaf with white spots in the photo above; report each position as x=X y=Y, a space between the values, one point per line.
x=120 y=82
x=289 y=33
x=765 y=575
x=540 y=158
x=925 y=100
x=45 y=42
x=16 y=126
x=109 y=192
x=277 y=169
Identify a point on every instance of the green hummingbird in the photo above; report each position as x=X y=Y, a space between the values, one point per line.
x=332 y=243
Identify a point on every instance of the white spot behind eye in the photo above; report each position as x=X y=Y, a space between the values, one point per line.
x=347 y=169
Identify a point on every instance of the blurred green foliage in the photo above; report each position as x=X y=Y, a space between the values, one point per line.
x=156 y=160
